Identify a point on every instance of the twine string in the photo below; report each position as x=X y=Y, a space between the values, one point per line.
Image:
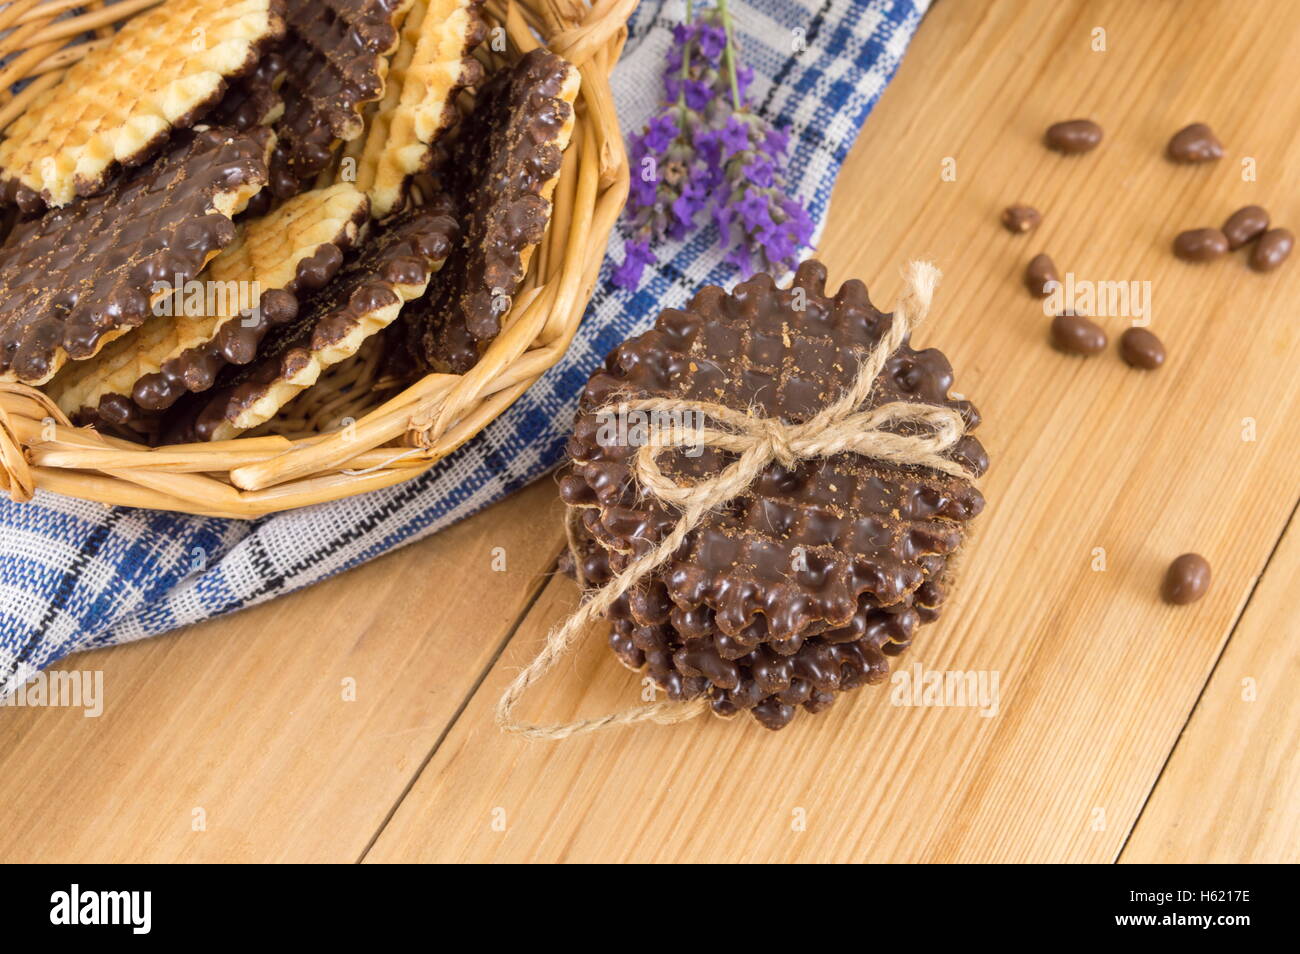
x=757 y=442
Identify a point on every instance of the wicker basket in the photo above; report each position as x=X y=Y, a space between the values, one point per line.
x=307 y=457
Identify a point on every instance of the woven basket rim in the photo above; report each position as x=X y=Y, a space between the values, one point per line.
x=249 y=477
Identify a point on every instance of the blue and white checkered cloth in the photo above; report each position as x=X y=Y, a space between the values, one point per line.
x=76 y=575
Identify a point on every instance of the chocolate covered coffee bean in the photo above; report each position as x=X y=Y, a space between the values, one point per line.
x=1186 y=580
x=1038 y=273
x=1194 y=143
x=1200 y=245
x=1141 y=349
x=1073 y=137
x=1245 y=225
x=1272 y=249
x=1075 y=334
x=1019 y=219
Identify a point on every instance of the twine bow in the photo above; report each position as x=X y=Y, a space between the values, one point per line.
x=838 y=428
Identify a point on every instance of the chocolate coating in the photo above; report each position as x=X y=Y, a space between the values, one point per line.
x=1073 y=136
x=1194 y=143
x=237 y=342
x=403 y=251
x=769 y=686
x=250 y=100
x=1141 y=349
x=799 y=550
x=1018 y=219
x=1245 y=225
x=1186 y=580
x=335 y=56
x=1075 y=334
x=506 y=154
x=1200 y=245
x=17 y=195
x=686 y=655
x=258 y=206
x=77 y=273
x=117 y=416
x=1272 y=249
x=1040 y=270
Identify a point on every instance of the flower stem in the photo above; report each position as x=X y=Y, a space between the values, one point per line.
x=686 y=61
x=730 y=53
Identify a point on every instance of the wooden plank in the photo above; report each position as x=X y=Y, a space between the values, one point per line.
x=1231 y=791
x=1097 y=677
x=244 y=719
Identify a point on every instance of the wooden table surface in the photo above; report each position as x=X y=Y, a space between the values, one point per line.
x=353 y=721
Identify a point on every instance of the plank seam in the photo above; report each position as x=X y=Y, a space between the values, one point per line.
x=1236 y=623
x=539 y=586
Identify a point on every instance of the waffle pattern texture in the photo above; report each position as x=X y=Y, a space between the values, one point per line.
x=771 y=595
x=120 y=101
x=76 y=575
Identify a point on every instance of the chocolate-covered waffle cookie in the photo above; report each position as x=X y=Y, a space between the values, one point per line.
x=389 y=268
x=801 y=548
x=504 y=170
x=770 y=686
x=336 y=58
x=765 y=491
x=753 y=612
x=687 y=657
x=117 y=105
x=253 y=284
x=80 y=276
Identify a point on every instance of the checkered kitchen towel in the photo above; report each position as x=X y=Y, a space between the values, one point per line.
x=77 y=575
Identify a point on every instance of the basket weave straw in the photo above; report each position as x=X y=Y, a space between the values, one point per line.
x=306 y=457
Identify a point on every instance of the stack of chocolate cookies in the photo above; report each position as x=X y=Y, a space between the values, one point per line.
x=804 y=585
x=219 y=203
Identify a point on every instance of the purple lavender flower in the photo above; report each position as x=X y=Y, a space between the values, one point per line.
x=776 y=142
x=761 y=172
x=693 y=200
x=708 y=146
x=660 y=133
x=755 y=210
x=723 y=215
x=800 y=221
x=698 y=94
x=706 y=156
x=744 y=79
x=760 y=217
x=711 y=41
x=733 y=137
x=636 y=256
x=740 y=257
